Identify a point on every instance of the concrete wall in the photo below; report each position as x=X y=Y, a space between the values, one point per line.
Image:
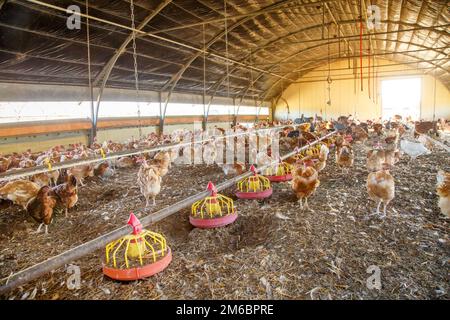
x=309 y=96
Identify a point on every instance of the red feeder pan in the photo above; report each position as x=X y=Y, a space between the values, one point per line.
x=138 y=272
x=214 y=211
x=254 y=187
x=282 y=172
x=287 y=177
x=254 y=195
x=138 y=255
x=214 y=222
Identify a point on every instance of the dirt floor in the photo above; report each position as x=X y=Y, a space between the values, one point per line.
x=273 y=251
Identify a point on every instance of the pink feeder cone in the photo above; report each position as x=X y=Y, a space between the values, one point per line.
x=211 y=187
x=134 y=222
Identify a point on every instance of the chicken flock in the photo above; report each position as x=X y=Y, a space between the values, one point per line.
x=43 y=194
x=381 y=140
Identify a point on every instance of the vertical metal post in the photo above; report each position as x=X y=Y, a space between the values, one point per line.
x=205 y=112
x=93 y=133
x=161 y=116
x=235 y=117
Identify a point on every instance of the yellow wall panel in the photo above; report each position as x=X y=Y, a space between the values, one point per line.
x=309 y=95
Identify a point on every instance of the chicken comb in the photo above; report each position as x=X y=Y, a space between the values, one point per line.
x=134 y=222
x=211 y=187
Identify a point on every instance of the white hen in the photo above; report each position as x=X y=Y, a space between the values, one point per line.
x=413 y=149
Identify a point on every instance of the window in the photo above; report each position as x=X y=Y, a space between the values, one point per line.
x=42 y=110
x=118 y=109
x=54 y=110
x=402 y=97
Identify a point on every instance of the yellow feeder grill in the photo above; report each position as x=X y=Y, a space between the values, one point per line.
x=138 y=255
x=214 y=211
x=281 y=172
x=254 y=187
x=311 y=152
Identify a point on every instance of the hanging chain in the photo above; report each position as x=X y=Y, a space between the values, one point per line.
x=226 y=55
x=204 y=74
x=136 y=76
x=226 y=46
x=329 y=69
x=251 y=71
x=251 y=86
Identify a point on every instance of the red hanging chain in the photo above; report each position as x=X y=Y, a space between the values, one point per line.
x=368 y=84
x=361 y=44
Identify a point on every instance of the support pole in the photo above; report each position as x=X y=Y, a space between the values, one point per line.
x=235 y=116
x=162 y=115
x=205 y=111
x=93 y=134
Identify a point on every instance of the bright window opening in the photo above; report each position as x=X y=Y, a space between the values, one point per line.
x=20 y=111
x=402 y=97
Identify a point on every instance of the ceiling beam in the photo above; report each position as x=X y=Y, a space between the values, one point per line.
x=286 y=59
x=238 y=16
x=106 y=71
x=266 y=93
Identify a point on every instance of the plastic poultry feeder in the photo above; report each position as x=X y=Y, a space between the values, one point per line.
x=281 y=172
x=214 y=211
x=311 y=153
x=254 y=187
x=138 y=255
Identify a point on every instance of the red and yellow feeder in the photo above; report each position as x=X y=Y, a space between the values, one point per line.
x=310 y=154
x=281 y=172
x=213 y=211
x=138 y=255
x=254 y=187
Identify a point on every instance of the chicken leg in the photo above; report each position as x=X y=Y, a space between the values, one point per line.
x=306 y=204
x=384 y=210
x=39 y=228
x=301 y=203
x=378 y=210
x=378 y=207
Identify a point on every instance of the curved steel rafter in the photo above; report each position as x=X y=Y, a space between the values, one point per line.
x=174 y=80
x=286 y=59
x=266 y=93
x=273 y=42
x=106 y=71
